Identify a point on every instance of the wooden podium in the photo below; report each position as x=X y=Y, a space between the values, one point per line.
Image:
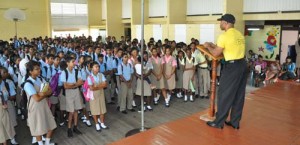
x=211 y=112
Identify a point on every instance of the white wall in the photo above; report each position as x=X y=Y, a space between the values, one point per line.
x=271 y=5
x=157 y=8
x=180 y=33
x=157 y=32
x=198 y=7
x=207 y=33
x=126 y=8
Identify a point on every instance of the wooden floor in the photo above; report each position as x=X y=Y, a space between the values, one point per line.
x=271 y=117
x=120 y=124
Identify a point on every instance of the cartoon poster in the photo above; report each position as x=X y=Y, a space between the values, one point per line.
x=264 y=42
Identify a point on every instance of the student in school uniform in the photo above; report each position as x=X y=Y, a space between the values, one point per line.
x=179 y=73
x=52 y=71
x=156 y=77
x=85 y=72
x=133 y=60
x=49 y=62
x=111 y=86
x=8 y=91
x=97 y=82
x=118 y=61
x=7 y=130
x=203 y=76
x=125 y=71
x=11 y=92
x=40 y=119
x=147 y=67
x=169 y=67
x=73 y=95
x=62 y=96
x=188 y=75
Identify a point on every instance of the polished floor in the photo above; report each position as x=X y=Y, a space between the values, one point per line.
x=271 y=117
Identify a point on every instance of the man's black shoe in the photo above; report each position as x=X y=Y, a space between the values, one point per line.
x=213 y=124
x=229 y=124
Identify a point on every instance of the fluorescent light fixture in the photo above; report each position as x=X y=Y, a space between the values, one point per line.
x=253 y=29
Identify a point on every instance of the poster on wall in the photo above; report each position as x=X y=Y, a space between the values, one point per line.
x=264 y=42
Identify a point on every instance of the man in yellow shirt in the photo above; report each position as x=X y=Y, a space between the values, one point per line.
x=231 y=93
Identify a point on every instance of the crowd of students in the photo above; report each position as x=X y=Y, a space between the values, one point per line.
x=112 y=69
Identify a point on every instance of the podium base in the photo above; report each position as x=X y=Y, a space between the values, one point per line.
x=135 y=131
x=206 y=117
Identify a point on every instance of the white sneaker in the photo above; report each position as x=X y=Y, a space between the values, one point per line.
x=133 y=103
x=34 y=140
x=13 y=141
x=149 y=107
x=84 y=120
x=168 y=97
x=23 y=117
x=61 y=124
x=156 y=98
x=191 y=98
x=103 y=126
x=19 y=111
x=43 y=138
x=298 y=80
x=99 y=121
x=88 y=123
x=98 y=128
x=185 y=98
x=178 y=95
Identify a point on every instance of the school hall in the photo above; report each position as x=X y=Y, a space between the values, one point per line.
x=149 y=72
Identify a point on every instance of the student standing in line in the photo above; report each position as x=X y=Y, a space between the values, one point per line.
x=188 y=75
x=73 y=95
x=40 y=118
x=125 y=72
x=97 y=82
x=156 y=77
x=169 y=67
x=179 y=73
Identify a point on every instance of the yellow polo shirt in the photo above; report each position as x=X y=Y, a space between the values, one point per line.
x=233 y=43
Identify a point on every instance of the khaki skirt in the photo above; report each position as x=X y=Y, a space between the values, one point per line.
x=98 y=106
x=147 y=88
x=40 y=119
x=6 y=129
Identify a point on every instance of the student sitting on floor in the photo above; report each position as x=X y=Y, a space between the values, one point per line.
x=288 y=70
x=260 y=67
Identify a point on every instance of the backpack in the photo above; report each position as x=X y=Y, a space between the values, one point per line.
x=87 y=93
x=7 y=86
x=54 y=84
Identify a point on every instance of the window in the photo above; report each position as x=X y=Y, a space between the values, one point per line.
x=69 y=9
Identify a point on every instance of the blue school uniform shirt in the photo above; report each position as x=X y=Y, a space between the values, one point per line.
x=117 y=62
x=127 y=71
x=5 y=90
x=71 y=76
x=45 y=71
x=102 y=67
x=29 y=88
x=109 y=60
x=96 y=79
x=52 y=71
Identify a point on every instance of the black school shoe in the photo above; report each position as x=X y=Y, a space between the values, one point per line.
x=76 y=130
x=70 y=132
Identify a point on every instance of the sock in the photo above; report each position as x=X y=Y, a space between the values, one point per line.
x=40 y=143
x=47 y=142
